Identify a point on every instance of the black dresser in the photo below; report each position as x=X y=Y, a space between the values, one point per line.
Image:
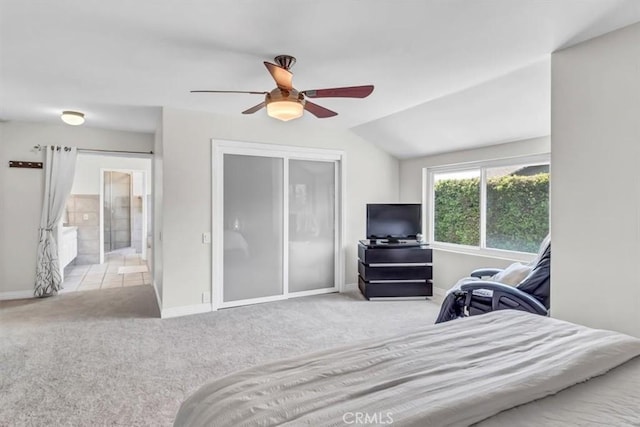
x=401 y=269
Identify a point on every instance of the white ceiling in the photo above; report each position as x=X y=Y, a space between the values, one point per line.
x=448 y=74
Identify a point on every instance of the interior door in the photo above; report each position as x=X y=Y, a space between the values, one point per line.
x=312 y=225
x=253 y=227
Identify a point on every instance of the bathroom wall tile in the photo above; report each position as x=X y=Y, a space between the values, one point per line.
x=88 y=232
x=70 y=206
x=87 y=203
x=89 y=247
x=85 y=218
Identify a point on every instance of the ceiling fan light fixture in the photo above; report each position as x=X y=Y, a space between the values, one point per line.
x=73 y=118
x=285 y=110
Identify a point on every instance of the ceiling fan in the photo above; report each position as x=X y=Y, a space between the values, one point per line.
x=286 y=103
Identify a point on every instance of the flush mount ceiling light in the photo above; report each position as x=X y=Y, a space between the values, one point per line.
x=73 y=118
x=285 y=110
x=286 y=107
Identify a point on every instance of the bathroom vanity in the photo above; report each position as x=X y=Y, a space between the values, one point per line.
x=67 y=245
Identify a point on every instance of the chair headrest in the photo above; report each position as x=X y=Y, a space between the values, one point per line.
x=544 y=246
x=537 y=283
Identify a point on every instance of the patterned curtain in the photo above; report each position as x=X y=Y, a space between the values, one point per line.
x=59 y=168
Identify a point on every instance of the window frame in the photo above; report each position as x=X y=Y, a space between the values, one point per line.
x=428 y=203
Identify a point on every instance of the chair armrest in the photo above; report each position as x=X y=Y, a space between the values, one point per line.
x=485 y=272
x=500 y=289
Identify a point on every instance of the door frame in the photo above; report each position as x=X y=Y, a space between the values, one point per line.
x=286 y=152
x=143 y=254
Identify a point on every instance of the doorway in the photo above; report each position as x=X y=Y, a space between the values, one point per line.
x=113 y=239
x=124 y=213
x=278 y=222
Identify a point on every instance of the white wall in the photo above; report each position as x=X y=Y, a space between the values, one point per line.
x=372 y=176
x=595 y=211
x=158 y=200
x=87 y=177
x=21 y=190
x=450 y=266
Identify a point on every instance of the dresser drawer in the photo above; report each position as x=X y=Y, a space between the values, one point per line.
x=396 y=254
x=390 y=289
x=414 y=272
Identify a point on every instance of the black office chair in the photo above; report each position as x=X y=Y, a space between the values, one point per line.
x=481 y=296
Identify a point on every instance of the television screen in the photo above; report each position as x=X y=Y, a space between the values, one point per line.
x=396 y=221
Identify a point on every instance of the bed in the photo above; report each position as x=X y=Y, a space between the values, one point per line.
x=502 y=368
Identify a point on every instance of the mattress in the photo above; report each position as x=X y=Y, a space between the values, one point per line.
x=607 y=400
x=456 y=373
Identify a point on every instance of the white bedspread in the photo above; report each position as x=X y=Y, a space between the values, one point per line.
x=455 y=373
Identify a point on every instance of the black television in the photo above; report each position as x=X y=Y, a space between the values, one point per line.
x=394 y=221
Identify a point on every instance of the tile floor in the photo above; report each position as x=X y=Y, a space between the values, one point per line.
x=101 y=276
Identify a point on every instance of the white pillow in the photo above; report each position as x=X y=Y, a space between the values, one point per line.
x=513 y=274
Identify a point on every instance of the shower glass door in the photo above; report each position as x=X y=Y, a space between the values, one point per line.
x=117 y=210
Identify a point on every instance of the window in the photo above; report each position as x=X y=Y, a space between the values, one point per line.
x=457 y=207
x=495 y=205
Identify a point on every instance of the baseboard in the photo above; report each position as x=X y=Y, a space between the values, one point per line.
x=439 y=294
x=185 y=310
x=348 y=287
x=16 y=295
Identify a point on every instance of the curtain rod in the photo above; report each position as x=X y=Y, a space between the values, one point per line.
x=89 y=150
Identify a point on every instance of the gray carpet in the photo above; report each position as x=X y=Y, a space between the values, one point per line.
x=104 y=358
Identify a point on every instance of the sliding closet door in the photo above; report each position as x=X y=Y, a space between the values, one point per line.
x=253 y=227
x=312 y=228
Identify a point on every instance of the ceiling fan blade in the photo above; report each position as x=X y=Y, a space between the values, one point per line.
x=280 y=75
x=254 y=108
x=318 y=111
x=228 y=91
x=340 y=92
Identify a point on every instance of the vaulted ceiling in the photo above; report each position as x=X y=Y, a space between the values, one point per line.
x=449 y=74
